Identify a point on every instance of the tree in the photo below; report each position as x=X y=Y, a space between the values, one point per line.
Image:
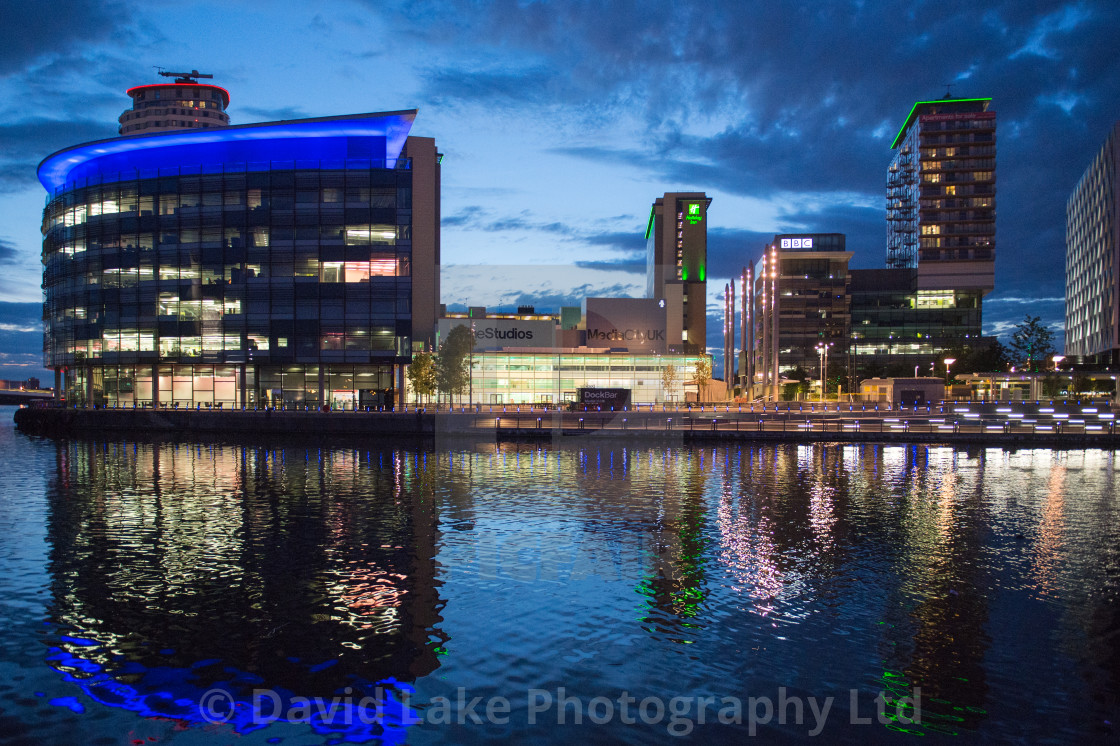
x=985 y=358
x=422 y=374
x=703 y=375
x=668 y=379
x=1052 y=386
x=1032 y=344
x=790 y=391
x=1104 y=386
x=452 y=375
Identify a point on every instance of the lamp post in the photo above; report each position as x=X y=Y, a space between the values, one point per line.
x=1057 y=361
x=822 y=350
x=948 y=361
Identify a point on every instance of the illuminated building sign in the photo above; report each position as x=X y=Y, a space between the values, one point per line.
x=631 y=324
x=692 y=214
x=497 y=334
x=797 y=243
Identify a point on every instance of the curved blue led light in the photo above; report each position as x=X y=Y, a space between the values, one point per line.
x=375 y=137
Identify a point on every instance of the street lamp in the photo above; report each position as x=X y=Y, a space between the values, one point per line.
x=822 y=350
x=1057 y=360
x=948 y=361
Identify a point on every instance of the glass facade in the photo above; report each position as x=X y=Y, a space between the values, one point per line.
x=231 y=282
x=812 y=288
x=814 y=304
x=1092 y=276
x=896 y=326
x=550 y=378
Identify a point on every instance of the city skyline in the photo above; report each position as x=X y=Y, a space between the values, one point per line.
x=559 y=123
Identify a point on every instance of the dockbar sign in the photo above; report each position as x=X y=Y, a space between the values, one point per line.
x=605 y=400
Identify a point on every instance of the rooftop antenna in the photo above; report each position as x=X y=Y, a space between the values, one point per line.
x=191 y=77
x=948 y=89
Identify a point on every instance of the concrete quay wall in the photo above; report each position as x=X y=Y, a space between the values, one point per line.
x=650 y=427
x=57 y=421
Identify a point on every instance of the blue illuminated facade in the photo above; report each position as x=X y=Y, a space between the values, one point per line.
x=290 y=263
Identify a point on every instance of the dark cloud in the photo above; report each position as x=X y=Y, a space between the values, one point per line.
x=21 y=366
x=25 y=143
x=864 y=228
x=47 y=87
x=489 y=86
x=248 y=114
x=33 y=30
x=1003 y=313
x=467 y=216
x=21 y=340
x=628 y=266
x=478 y=218
x=9 y=253
x=730 y=250
x=629 y=242
x=522 y=223
x=550 y=301
x=810 y=96
x=21 y=314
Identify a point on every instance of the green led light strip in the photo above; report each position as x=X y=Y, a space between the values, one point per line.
x=914 y=108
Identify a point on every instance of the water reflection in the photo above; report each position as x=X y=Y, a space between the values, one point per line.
x=734 y=571
x=180 y=567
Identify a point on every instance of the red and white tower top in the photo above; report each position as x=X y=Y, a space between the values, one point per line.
x=179 y=105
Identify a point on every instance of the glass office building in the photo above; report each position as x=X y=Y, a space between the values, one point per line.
x=896 y=326
x=556 y=376
x=281 y=263
x=1092 y=271
x=814 y=303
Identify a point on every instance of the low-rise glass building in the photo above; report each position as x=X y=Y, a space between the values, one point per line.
x=291 y=262
x=896 y=326
x=551 y=376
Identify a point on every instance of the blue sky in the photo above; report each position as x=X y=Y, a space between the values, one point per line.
x=562 y=121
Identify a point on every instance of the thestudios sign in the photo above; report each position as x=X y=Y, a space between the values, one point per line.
x=494 y=334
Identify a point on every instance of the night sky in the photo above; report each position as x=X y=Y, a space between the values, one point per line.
x=562 y=121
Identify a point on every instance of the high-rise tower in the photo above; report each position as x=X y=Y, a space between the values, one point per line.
x=941 y=187
x=1092 y=263
x=182 y=104
x=677 y=263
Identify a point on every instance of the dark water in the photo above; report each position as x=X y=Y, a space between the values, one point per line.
x=203 y=593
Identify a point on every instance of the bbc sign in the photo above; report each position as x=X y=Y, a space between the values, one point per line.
x=797 y=243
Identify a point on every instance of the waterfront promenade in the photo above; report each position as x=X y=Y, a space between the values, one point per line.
x=1072 y=423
